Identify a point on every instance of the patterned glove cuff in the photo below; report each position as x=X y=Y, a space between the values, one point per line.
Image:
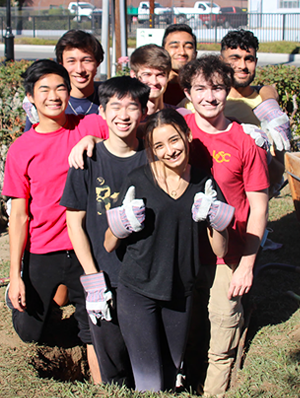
x=220 y=215
x=116 y=223
x=93 y=282
x=267 y=110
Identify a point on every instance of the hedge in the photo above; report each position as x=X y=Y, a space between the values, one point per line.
x=12 y=117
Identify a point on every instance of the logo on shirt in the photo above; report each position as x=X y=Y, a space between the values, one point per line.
x=104 y=196
x=221 y=156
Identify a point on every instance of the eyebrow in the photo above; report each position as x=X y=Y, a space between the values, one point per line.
x=59 y=85
x=119 y=103
x=178 y=41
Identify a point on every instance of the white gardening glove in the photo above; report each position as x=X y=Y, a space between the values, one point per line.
x=275 y=123
x=30 y=110
x=129 y=217
x=98 y=297
x=206 y=205
x=203 y=201
x=259 y=136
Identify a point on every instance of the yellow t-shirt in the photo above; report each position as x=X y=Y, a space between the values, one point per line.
x=241 y=109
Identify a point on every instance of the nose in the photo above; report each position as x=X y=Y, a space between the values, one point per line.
x=210 y=97
x=153 y=80
x=242 y=64
x=123 y=113
x=79 y=67
x=182 y=49
x=52 y=95
x=169 y=149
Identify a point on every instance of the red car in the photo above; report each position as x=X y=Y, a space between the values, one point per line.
x=235 y=17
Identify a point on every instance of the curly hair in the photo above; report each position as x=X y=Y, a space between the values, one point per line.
x=244 y=39
x=209 y=66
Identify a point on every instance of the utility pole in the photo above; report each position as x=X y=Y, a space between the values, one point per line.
x=9 y=37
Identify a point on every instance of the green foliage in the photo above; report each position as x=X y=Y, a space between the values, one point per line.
x=12 y=115
x=286 y=79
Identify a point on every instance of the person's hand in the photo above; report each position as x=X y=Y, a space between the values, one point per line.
x=16 y=293
x=259 y=136
x=206 y=205
x=98 y=298
x=241 y=281
x=75 y=158
x=30 y=110
x=129 y=217
x=275 y=123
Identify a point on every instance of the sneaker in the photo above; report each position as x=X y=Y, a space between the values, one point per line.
x=7 y=299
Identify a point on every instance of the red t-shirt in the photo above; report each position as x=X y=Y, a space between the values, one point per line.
x=36 y=169
x=238 y=166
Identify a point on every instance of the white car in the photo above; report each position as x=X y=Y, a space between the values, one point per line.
x=83 y=11
x=162 y=14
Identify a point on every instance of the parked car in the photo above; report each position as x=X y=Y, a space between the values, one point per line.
x=84 y=11
x=204 y=11
x=162 y=14
x=234 y=17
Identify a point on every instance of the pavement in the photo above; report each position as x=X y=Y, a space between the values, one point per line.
x=23 y=51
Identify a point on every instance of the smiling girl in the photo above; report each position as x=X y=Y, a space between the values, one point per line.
x=158 y=238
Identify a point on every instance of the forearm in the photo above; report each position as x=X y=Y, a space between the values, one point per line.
x=80 y=242
x=111 y=242
x=242 y=276
x=218 y=241
x=18 y=234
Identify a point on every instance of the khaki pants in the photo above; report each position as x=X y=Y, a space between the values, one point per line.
x=226 y=321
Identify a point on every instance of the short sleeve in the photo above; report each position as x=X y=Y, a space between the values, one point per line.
x=16 y=181
x=255 y=169
x=75 y=193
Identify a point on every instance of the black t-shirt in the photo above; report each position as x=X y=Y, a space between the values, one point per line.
x=162 y=260
x=95 y=190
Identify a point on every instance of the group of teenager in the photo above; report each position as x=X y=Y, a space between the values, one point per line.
x=155 y=227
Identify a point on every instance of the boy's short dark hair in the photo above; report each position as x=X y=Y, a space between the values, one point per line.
x=39 y=69
x=209 y=66
x=151 y=56
x=79 y=39
x=121 y=86
x=179 y=27
x=244 y=39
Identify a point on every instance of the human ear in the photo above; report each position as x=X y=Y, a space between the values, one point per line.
x=102 y=112
x=30 y=97
x=187 y=94
x=132 y=73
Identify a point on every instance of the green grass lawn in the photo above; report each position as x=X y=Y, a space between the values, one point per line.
x=285 y=47
x=271 y=366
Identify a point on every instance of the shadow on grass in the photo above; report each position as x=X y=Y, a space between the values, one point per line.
x=269 y=299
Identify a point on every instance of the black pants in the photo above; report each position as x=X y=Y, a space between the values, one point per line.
x=42 y=274
x=110 y=349
x=155 y=334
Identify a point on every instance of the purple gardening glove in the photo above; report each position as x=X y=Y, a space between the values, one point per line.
x=98 y=296
x=206 y=205
x=129 y=217
x=275 y=123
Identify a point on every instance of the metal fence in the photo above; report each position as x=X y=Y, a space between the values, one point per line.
x=208 y=28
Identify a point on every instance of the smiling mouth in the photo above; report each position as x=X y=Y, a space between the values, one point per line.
x=123 y=126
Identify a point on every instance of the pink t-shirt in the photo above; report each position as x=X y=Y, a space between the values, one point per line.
x=238 y=166
x=36 y=169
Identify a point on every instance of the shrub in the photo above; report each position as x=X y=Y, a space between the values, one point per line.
x=12 y=115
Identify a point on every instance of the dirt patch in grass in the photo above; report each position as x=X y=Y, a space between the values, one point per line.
x=61 y=364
